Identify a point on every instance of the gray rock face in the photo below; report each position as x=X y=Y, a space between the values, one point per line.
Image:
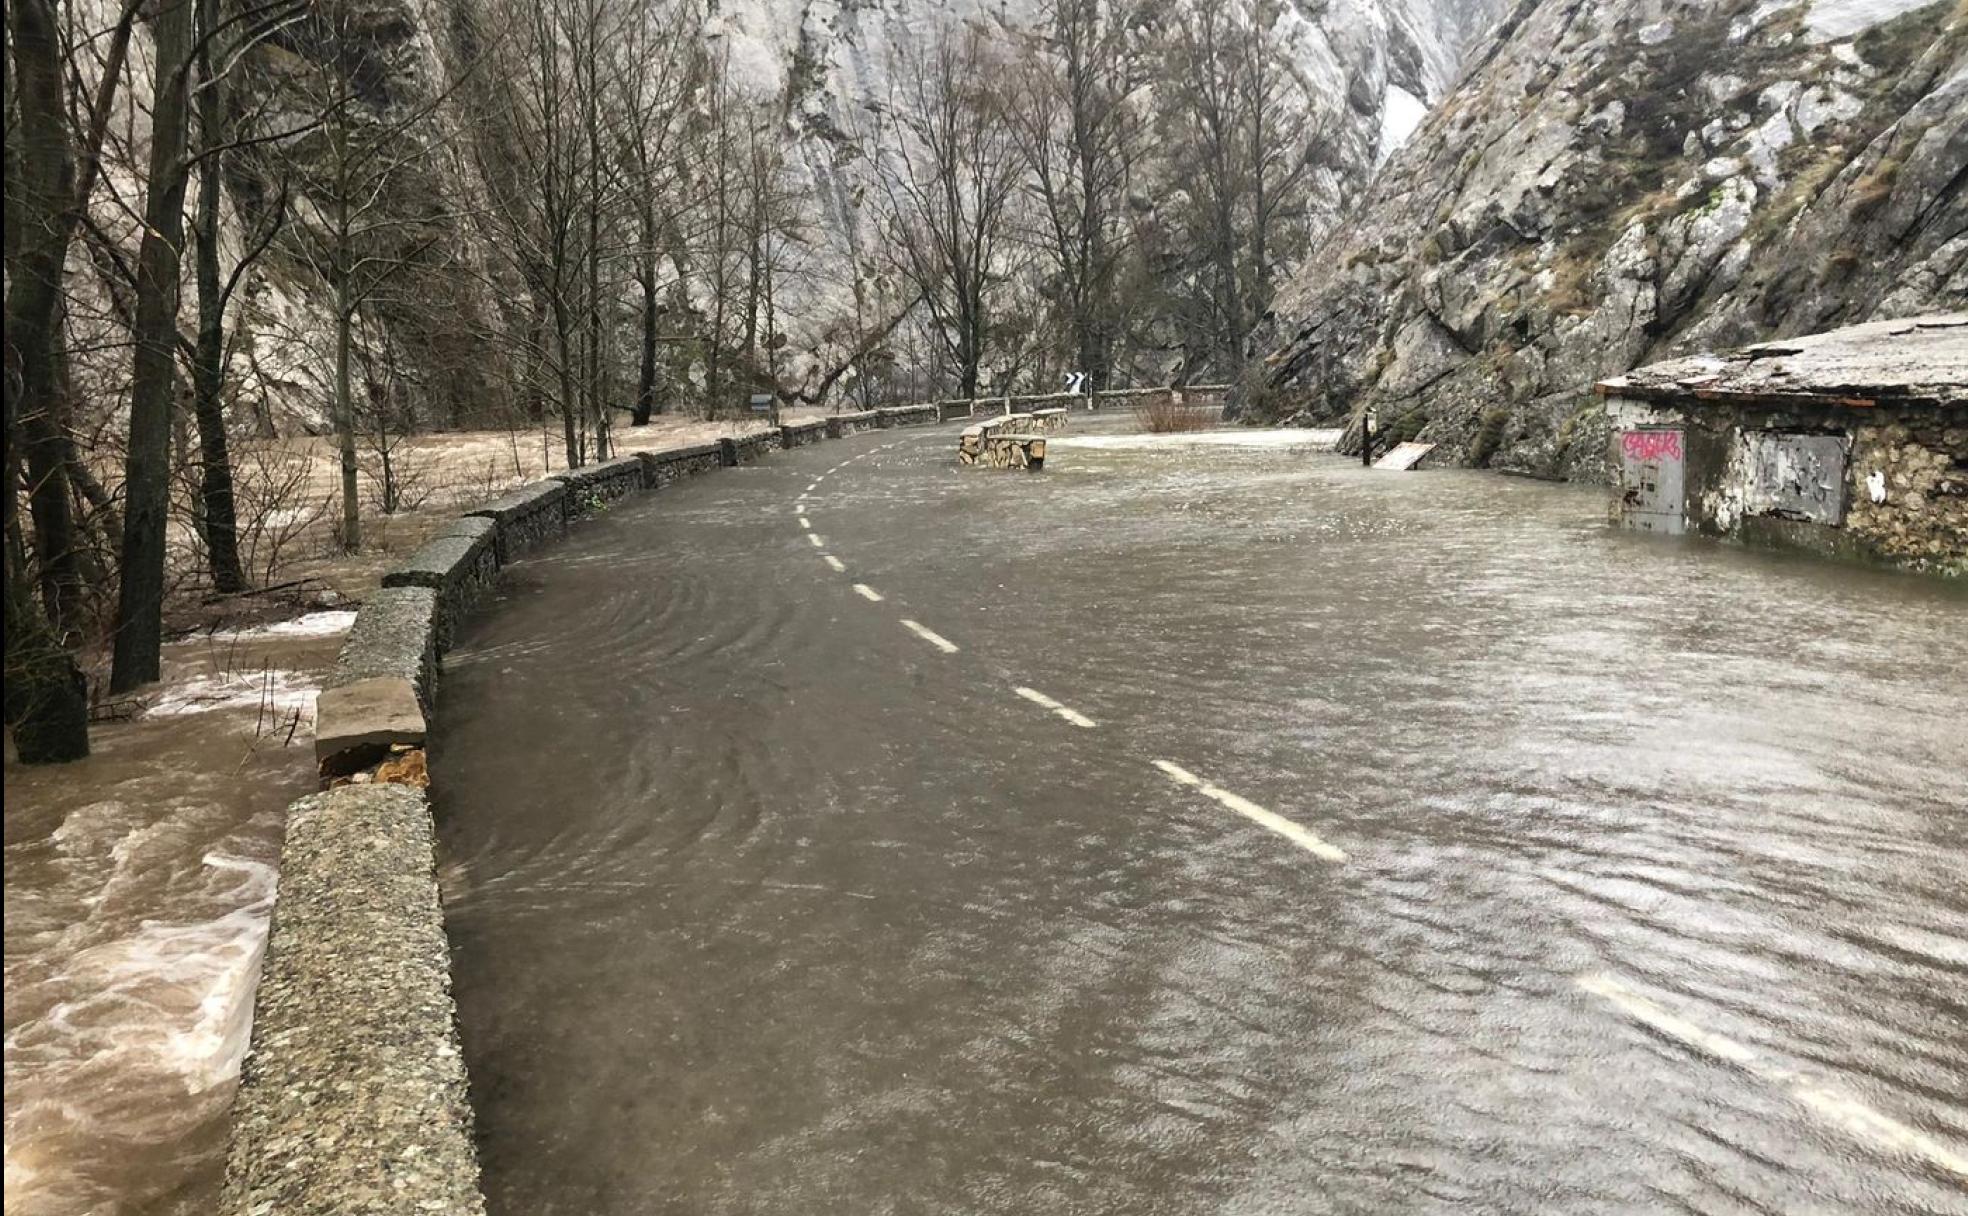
x=1621 y=181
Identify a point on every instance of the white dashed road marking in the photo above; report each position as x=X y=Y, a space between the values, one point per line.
x=838 y=566
x=1253 y=812
x=1855 y=1118
x=868 y=593
x=1038 y=698
x=818 y=541
x=930 y=635
x=806 y=523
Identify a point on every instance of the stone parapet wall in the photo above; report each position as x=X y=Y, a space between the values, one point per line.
x=799 y=434
x=840 y=426
x=592 y=486
x=353 y=1098
x=527 y=516
x=661 y=468
x=459 y=565
x=993 y=445
x=749 y=449
x=908 y=415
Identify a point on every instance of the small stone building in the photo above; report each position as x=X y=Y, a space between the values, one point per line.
x=1850 y=442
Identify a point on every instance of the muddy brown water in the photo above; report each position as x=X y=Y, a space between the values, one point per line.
x=138 y=885
x=1654 y=891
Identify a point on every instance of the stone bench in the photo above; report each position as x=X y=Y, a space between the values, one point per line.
x=986 y=447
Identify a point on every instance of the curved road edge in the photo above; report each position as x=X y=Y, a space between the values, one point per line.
x=353 y=1096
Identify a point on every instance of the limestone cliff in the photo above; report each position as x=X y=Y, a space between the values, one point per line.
x=1614 y=182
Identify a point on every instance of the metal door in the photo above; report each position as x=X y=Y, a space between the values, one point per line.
x=1653 y=495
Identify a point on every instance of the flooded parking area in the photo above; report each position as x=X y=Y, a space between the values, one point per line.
x=1198 y=827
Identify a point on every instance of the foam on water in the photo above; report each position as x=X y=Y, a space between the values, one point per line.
x=308 y=625
x=282 y=693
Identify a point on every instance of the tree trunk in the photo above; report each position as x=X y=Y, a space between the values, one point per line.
x=208 y=362
x=147 y=479
x=645 y=401
x=46 y=700
x=345 y=418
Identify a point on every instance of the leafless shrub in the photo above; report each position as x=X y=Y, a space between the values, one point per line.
x=398 y=478
x=276 y=505
x=1166 y=413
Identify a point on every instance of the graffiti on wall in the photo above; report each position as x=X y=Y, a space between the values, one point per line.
x=1651 y=447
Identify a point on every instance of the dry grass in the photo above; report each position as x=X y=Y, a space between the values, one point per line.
x=1166 y=413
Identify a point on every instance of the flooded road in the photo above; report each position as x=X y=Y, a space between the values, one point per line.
x=138 y=887
x=1198 y=828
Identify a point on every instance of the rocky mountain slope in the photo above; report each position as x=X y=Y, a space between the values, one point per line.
x=1616 y=181
x=1368 y=69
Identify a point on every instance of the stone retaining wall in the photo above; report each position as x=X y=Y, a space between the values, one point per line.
x=352 y=1098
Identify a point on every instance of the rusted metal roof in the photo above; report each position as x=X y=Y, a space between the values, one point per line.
x=1918 y=361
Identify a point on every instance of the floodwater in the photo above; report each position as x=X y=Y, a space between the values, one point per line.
x=1431 y=848
x=138 y=885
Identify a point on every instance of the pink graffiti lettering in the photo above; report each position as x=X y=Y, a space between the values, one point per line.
x=1651 y=445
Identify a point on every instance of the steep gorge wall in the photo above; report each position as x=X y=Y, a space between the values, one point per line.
x=1367 y=70
x=1615 y=182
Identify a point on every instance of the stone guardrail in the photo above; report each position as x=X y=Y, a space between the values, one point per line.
x=841 y=425
x=352 y=1097
x=986 y=407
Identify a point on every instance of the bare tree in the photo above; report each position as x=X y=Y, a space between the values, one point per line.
x=137 y=652
x=46 y=700
x=1236 y=128
x=1074 y=111
x=945 y=209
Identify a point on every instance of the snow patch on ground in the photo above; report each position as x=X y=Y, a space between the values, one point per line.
x=1287 y=439
x=1844 y=18
x=1400 y=113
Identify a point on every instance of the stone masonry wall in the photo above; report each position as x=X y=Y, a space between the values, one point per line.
x=1922 y=467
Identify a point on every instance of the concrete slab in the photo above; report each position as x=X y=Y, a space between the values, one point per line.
x=1404 y=456
x=356 y=724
